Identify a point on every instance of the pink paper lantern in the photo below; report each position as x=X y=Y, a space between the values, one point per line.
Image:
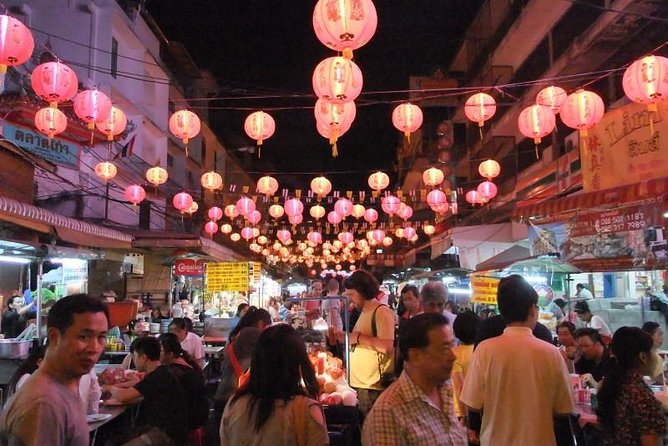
x=259 y=126
x=215 y=213
x=54 y=82
x=536 y=121
x=50 y=121
x=185 y=125
x=92 y=106
x=473 y=197
x=370 y=215
x=409 y=232
x=276 y=211
x=245 y=206
x=407 y=118
x=254 y=217
x=16 y=45
x=377 y=235
x=247 y=233
x=231 y=211
x=479 y=108
x=345 y=237
x=487 y=190
x=390 y=204
x=295 y=219
x=645 y=81
x=182 y=201
x=436 y=198
x=293 y=207
x=553 y=97
x=314 y=237
x=211 y=227
x=114 y=124
x=343 y=207
x=135 y=194
x=334 y=218
x=267 y=185
x=582 y=110
x=337 y=117
x=344 y=25
x=283 y=235
x=405 y=211
x=441 y=209
x=337 y=80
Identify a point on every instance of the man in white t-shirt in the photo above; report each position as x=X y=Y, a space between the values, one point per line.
x=582 y=292
x=519 y=382
x=190 y=342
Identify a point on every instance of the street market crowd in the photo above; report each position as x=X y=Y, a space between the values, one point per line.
x=424 y=373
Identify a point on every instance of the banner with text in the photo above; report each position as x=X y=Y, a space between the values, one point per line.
x=484 y=289
x=227 y=276
x=54 y=150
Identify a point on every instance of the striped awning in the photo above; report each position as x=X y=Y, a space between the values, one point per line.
x=647 y=192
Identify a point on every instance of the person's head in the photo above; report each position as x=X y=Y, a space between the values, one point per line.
x=241 y=309
x=561 y=303
x=77 y=329
x=655 y=331
x=466 y=327
x=580 y=287
x=274 y=303
x=410 y=297
x=316 y=288
x=170 y=348
x=254 y=317
x=517 y=301
x=631 y=347
x=361 y=286
x=145 y=352
x=15 y=302
x=566 y=333
x=29 y=365
x=179 y=326
x=332 y=287
x=278 y=366
x=452 y=307
x=433 y=296
x=583 y=311
x=426 y=347
x=590 y=343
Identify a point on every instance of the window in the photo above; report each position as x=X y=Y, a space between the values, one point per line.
x=114 y=57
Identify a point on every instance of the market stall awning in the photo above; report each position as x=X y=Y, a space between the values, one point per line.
x=546 y=264
x=505 y=258
x=186 y=243
x=67 y=229
x=629 y=194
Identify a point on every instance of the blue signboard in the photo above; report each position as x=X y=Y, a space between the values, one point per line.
x=55 y=150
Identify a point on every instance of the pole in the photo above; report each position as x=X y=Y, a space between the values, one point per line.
x=40 y=268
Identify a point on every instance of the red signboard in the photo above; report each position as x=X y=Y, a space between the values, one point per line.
x=189 y=267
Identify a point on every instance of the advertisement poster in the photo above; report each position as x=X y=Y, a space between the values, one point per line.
x=484 y=289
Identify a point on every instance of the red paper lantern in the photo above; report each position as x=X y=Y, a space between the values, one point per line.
x=321 y=186
x=334 y=218
x=337 y=80
x=377 y=235
x=489 y=169
x=337 y=117
x=486 y=191
x=283 y=235
x=553 y=97
x=645 y=81
x=157 y=176
x=259 y=126
x=343 y=207
x=436 y=198
x=211 y=227
x=54 y=82
x=231 y=211
x=295 y=219
x=344 y=25
x=358 y=211
x=536 y=121
x=432 y=177
x=378 y=181
x=390 y=204
x=215 y=213
x=314 y=237
x=254 y=217
x=405 y=211
x=479 y=108
x=50 y=121
x=185 y=125
x=114 y=124
x=267 y=185
x=211 y=181
x=276 y=211
x=135 y=194
x=92 y=106
x=182 y=201
x=247 y=233
x=582 y=110
x=317 y=212
x=370 y=215
x=441 y=208
x=407 y=118
x=345 y=237
x=245 y=206
x=16 y=45
x=473 y=197
x=293 y=207
x=409 y=232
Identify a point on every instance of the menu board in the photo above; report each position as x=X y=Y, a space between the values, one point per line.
x=227 y=276
x=484 y=290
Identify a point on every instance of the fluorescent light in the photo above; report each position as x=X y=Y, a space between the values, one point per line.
x=19 y=260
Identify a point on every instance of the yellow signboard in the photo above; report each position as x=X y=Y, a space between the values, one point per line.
x=254 y=271
x=484 y=290
x=227 y=276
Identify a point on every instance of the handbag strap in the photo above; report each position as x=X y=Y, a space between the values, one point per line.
x=374 y=328
x=299 y=408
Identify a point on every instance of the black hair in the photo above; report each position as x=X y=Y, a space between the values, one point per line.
x=466 y=326
x=561 y=303
x=580 y=285
x=250 y=319
x=61 y=315
x=515 y=297
x=170 y=344
x=627 y=344
x=279 y=364
x=364 y=283
x=180 y=323
x=490 y=327
x=593 y=334
x=582 y=307
x=650 y=327
x=411 y=288
x=29 y=365
x=568 y=325
x=11 y=300
x=453 y=305
x=415 y=332
x=240 y=308
x=146 y=345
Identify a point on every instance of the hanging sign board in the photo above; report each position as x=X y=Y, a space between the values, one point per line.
x=484 y=290
x=55 y=150
x=227 y=276
x=189 y=267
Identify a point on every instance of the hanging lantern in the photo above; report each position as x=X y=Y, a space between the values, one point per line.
x=553 y=97
x=321 y=186
x=231 y=211
x=254 y=217
x=267 y=185
x=358 y=211
x=54 y=82
x=211 y=227
x=156 y=176
x=377 y=235
x=436 y=198
x=536 y=121
x=92 y=106
x=486 y=191
x=370 y=215
x=226 y=228
x=390 y=204
x=378 y=181
x=387 y=241
x=135 y=194
x=215 y=213
x=317 y=212
x=645 y=81
x=182 y=201
x=245 y=206
x=276 y=211
x=473 y=197
x=405 y=211
x=399 y=232
x=489 y=169
x=262 y=240
x=185 y=125
x=295 y=219
x=293 y=207
x=407 y=118
x=337 y=117
x=235 y=237
x=432 y=177
x=429 y=229
x=259 y=126
x=193 y=208
x=50 y=121
x=344 y=25
x=343 y=207
x=16 y=45
x=337 y=80
x=345 y=237
x=582 y=110
x=247 y=233
x=314 y=237
x=105 y=170
x=114 y=124
x=283 y=235
x=479 y=108
x=334 y=218
x=211 y=181
x=409 y=232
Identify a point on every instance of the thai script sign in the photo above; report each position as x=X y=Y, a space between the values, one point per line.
x=55 y=150
x=484 y=289
x=227 y=276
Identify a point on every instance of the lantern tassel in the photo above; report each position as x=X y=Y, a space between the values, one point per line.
x=91 y=127
x=259 y=152
x=583 y=140
x=408 y=136
x=536 y=141
x=186 y=150
x=651 y=111
x=480 y=130
x=348 y=53
x=335 y=150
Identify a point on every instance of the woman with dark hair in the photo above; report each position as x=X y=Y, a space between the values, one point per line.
x=628 y=412
x=274 y=408
x=252 y=318
x=656 y=332
x=25 y=369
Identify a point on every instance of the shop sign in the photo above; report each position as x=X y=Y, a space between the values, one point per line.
x=227 y=276
x=189 y=267
x=484 y=290
x=254 y=271
x=55 y=150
